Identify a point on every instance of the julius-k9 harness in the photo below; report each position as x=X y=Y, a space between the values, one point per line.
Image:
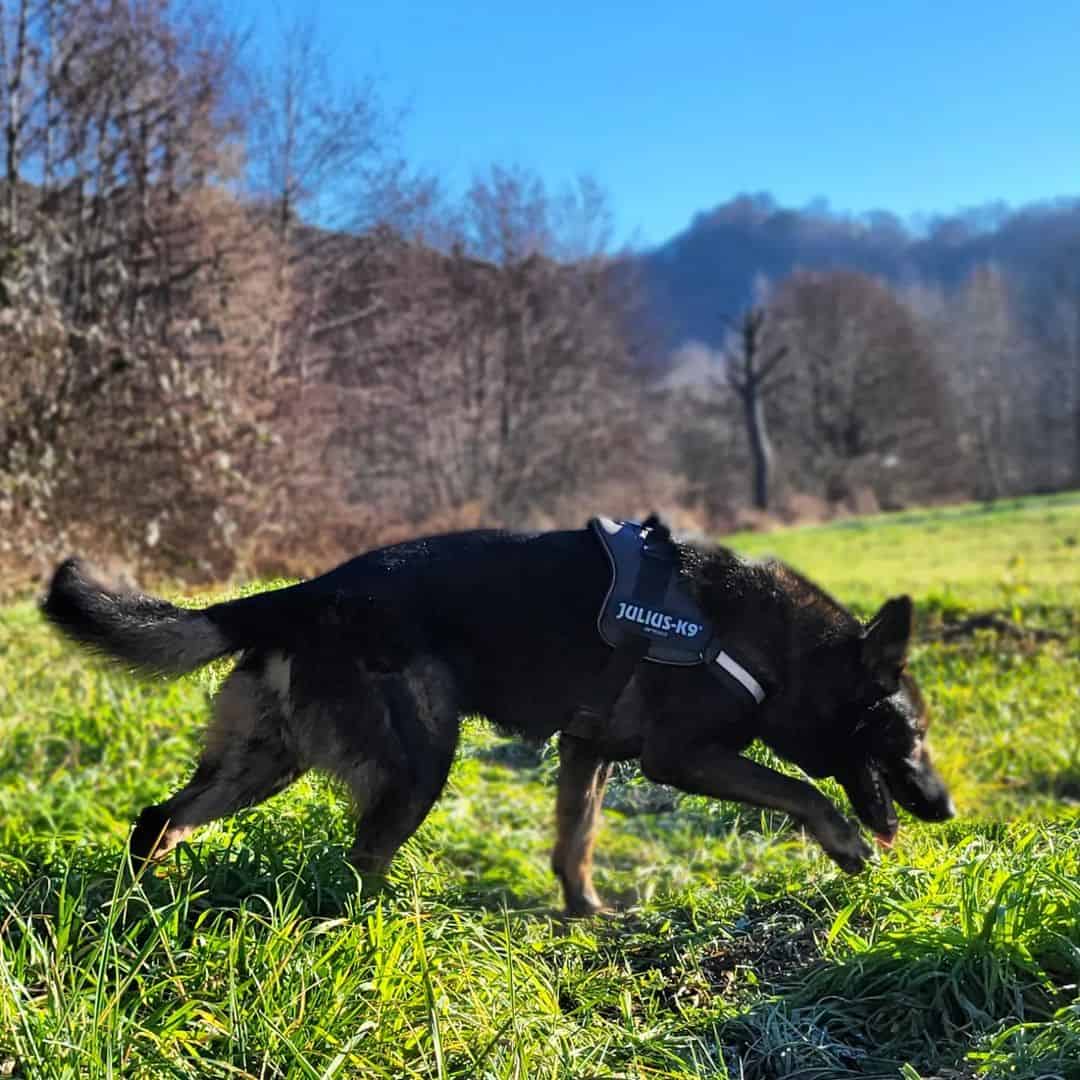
x=648 y=615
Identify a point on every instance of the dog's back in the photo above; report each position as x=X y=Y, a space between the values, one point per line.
x=515 y=614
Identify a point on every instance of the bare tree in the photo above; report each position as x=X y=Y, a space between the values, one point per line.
x=981 y=361
x=1006 y=401
x=489 y=373
x=1061 y=342
x=749 y=373
x=15 y=73
x=318 y=150
x=559 y=385
x=866 y=402
x=114 y=407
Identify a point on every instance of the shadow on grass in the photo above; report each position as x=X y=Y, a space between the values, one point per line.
x=253 y=874
x=926 y=1000
x=512 y=753
x=1063 y=786
x=191 y=881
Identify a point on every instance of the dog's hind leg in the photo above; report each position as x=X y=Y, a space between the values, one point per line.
x=583 y=775
x=247 y=759
x=394 y=816
x=421 y=732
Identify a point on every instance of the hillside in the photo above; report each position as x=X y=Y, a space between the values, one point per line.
x=708 y=271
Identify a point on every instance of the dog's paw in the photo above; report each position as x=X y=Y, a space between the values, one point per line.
x=842 y=841
x=585 y=908
x=148 y=837
x=852 y=860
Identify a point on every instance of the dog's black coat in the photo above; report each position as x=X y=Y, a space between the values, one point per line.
x=366 y=670
x=513 y=615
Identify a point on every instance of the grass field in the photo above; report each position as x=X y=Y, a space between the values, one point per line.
x=738 y=949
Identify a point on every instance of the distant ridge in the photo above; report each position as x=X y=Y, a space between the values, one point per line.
x=707 y=271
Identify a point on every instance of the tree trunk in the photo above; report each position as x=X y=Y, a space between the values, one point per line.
x=760 y=448
x=13 y=134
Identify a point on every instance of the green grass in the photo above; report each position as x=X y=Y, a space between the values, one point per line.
x=738 y=949
x=1022 y=556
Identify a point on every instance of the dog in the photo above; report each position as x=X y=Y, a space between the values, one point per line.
x=366 y=671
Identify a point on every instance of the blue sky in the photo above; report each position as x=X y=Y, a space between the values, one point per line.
x=914 y=107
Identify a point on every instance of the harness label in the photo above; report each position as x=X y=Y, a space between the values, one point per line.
x=648 y=597
x=656 y=620
x=677 y=631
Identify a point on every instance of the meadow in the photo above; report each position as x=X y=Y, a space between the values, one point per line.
x=736 y=948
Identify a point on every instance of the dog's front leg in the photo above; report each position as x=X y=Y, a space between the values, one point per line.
x=723 y=774
x=583 y=775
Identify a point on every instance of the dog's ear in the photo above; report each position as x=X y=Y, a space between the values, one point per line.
x=885 y=643
x=658 y=529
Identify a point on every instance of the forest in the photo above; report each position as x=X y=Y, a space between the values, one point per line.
x=241 y=333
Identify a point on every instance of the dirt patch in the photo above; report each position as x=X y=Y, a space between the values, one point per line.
x=768 y=945
x=993 y=621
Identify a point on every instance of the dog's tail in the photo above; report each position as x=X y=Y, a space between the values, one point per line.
x=150 y=636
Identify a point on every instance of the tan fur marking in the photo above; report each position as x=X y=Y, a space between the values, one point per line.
x=235 y=713
x=278 y=676
x=364 y=781
x=577 y=813
x=428 y=681
x=170 y=837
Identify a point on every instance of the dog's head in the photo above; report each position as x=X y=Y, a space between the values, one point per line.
x=889 y=759
x=854 y=690
x=839 y=701
x=886 y=756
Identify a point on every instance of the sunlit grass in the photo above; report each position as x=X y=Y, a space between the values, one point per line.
x=738 y=949
x=1022 y=554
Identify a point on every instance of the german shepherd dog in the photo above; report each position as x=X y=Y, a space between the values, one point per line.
x=366 y=671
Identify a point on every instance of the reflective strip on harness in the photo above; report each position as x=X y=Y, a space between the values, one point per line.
x=740 y=675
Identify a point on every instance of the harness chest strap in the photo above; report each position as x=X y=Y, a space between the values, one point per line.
x=649 y=573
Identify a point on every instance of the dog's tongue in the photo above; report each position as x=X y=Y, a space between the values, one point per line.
x=886 y=836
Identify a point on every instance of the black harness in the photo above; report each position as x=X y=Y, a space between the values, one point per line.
x=649 y=615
